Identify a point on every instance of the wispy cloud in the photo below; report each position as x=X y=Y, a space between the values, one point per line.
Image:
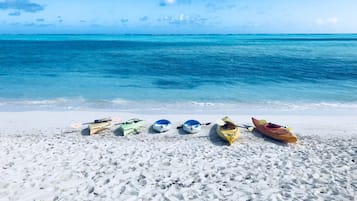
x=214 y=6
x=173 y=2
x=96 y=25
x=326 y=21
x=184 y=19
x=32 y=24
x=124 y=21
x=145 y=18
x=167 y=2
x=40 y=19
x=59 y=19
x=21 y=5
x=15 y=13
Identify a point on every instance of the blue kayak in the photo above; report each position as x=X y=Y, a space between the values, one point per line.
x=192 y=126
x=162 y=125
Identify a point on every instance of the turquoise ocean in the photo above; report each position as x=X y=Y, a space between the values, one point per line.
x=180 y=73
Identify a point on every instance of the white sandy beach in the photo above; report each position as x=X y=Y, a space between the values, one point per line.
x=42 y=158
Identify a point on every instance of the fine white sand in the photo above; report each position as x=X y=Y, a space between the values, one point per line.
x=42 y=158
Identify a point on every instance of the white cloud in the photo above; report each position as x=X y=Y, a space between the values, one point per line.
x=174 y=2
x=170 y=1
x=21 y=5
x=327 y=21
x=184 y=19
x=167 y=2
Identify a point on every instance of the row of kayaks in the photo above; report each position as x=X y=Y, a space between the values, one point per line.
x=131 y=126
x=226 y=128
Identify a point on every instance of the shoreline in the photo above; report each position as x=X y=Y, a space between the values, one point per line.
x=303 y=124
x=44 y=159
x=181 y=106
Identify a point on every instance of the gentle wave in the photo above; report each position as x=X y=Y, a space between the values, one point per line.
x=270 y=107
x=302 y=39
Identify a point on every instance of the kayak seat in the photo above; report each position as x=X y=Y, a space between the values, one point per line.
x=271 y=125
x=228 y=126
x=101 y=120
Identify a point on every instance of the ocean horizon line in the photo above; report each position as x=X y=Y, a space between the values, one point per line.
x=194 y=38
x=168 y=34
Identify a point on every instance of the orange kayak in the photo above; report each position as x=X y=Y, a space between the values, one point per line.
x=274 y=131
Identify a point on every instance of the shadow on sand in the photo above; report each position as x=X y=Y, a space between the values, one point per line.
x=117 y=132
x=214 y=138
x=266 y=138
x=85 y=132
x=182 y=132
x=152 y=131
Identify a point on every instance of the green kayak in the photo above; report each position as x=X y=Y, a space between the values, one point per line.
x=131 y=126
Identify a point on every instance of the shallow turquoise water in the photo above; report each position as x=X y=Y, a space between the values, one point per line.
x=108 y=71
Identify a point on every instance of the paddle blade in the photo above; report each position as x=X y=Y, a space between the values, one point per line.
x=250 y=128
x=116 y=120
x=76 y=125
x=220 y=122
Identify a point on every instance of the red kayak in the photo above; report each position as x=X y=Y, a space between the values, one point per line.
x=274 y=131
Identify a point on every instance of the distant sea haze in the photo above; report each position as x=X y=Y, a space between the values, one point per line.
x=117 y=72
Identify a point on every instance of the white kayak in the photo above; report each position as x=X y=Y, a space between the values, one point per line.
x=162 y=125
x=192 y=126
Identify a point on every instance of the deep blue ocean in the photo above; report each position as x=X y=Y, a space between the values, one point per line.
x=163 y=72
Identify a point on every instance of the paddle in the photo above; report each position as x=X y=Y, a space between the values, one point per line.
x=248 y=127
x=251 y=128
x=205 y=124
x=114 y=120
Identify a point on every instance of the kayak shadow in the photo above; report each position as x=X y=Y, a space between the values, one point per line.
x=117 y=132
x=214 y=138
x=152 y=131
x=85 y=132
x=182 y=132
x=266 y=138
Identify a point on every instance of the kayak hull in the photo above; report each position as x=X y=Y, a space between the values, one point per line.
x=275 y=132
x=161 y=125
x=228 y=131
x=192 y=126
x=131 y=126
x=95 y=128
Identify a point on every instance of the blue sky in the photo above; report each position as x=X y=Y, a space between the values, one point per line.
x=178 y=16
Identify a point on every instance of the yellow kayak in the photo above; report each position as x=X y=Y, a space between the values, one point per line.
x=97 y=127
x=228 y=130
